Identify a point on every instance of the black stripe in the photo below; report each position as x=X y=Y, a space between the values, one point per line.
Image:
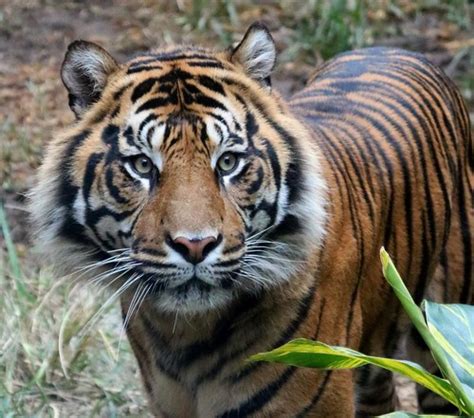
x=276 y=169
x=117 y=95
x=289 y=225
x=355 y=223
x=205 y=64
x=113 y=189
x=143 y=88
x=140 y=354
x=363 y=182
x=223 y=331
x=67 y=192
x=179 y=55
x=211 y=84
x=233 y=249
x=163 y=357
x=140 y=69
x=129 y=136
x=89 y=174
x=150 y=251
x=110 y=134
x=446 y=408
x=137 y=62
x=155 y=103
x=293 y=326
x=227 y=263
x=255 y=185
x=466 y=230
x=320 y=318
x=261 y=398
x=206 y=101
x=144 y=122
x=156 y=264
x=317 y=396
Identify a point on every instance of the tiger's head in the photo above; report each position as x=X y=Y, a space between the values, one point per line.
x=184 y=174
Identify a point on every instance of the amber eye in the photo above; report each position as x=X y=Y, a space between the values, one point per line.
x=142 y=165
x=227 y=162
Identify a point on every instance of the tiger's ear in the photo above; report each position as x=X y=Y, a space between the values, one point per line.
x=84 y=72
x=256 y=53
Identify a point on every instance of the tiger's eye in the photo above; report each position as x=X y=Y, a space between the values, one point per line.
x=142 y=165
x=227 y=162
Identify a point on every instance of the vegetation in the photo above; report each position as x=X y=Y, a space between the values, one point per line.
x=446 y=329
x=48 y=366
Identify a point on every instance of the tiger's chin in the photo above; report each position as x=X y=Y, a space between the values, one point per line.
x=192 y=299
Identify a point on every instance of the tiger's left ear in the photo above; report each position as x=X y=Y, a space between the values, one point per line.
x=256 y=53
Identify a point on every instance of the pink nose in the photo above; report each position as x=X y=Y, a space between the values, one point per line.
x=194 y=250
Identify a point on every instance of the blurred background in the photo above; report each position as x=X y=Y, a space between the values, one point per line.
x=53 y=360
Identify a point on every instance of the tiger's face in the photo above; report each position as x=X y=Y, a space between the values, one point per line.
x=185 y=174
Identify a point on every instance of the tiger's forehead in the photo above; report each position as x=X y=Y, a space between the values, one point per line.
x=197 y=60
x=180 y=94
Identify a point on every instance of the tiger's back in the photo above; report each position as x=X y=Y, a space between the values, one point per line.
x=395 y=134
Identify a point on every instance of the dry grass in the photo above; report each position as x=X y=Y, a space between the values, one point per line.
x=90 y=378
x=48 y=365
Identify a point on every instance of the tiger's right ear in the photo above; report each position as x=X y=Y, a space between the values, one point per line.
x=84 y=72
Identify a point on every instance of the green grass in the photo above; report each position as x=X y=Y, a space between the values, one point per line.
x=35 y=380
x=327 y=28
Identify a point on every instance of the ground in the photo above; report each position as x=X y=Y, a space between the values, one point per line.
x=86 y=374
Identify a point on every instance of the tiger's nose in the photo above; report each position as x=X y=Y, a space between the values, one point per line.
x=194 y=250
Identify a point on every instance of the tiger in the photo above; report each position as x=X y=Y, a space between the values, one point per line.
x=230 y=220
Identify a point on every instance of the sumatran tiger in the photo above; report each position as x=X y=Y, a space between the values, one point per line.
x=231 y=220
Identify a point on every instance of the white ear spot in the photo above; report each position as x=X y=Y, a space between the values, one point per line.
x=256 y=53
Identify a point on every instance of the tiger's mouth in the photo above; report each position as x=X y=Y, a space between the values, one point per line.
x=193 y=289
x=182 y=284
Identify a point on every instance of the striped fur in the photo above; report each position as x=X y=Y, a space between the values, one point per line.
x=376 y=150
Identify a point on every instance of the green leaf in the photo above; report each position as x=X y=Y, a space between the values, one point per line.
x=453 y=328
x=307 y=353
x=402 y=293
x=464 y=402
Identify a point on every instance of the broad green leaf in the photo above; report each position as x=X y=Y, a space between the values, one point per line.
x=453 y=328
x=410 y=415
x=307 y=353
x=464 y=402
